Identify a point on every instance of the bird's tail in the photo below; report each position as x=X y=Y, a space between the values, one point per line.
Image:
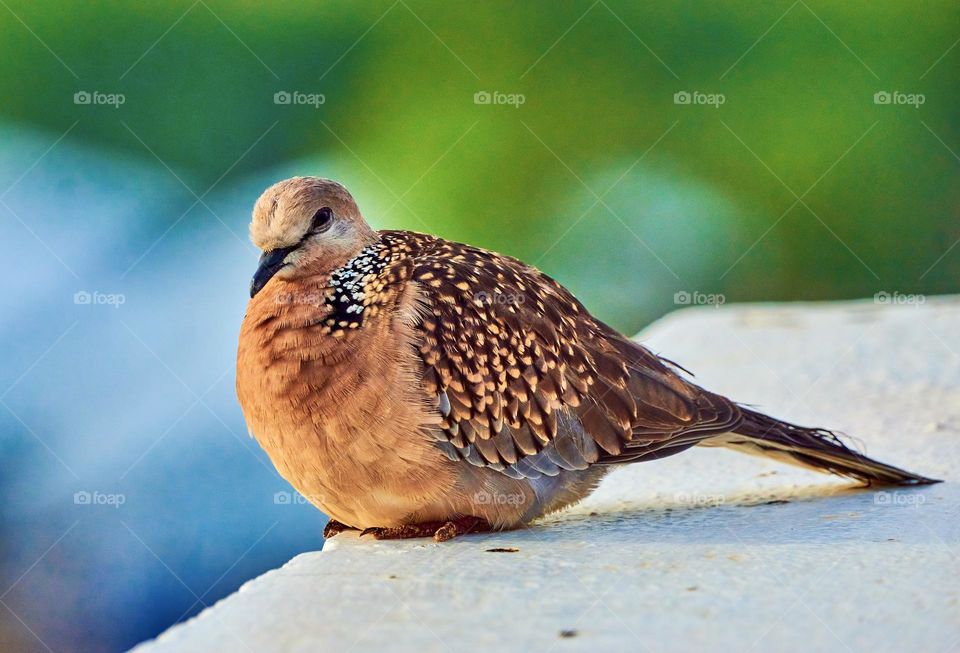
x=816 y=449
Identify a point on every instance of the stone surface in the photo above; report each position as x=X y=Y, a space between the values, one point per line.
x=706 y=551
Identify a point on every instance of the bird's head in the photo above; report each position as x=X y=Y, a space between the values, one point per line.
x=305 y=226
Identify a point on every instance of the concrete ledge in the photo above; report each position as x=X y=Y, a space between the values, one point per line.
x=705 y=551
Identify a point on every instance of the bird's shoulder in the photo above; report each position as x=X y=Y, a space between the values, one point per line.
x=477 y=281
x=486 y=306
x=503 y=344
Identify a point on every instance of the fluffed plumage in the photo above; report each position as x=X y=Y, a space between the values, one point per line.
x=397 y=379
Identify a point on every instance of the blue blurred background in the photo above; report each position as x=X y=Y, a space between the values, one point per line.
x=646 y=155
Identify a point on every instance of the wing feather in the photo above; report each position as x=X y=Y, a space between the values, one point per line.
x=527 y=382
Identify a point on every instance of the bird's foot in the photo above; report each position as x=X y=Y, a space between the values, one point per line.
x=440 y=530
x=461 y=526
x=334 y=527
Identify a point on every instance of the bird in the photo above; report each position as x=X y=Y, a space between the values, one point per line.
x=411 y=386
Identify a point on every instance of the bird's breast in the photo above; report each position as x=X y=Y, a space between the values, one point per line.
x=342 y=418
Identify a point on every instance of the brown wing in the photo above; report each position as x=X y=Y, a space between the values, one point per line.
x=528 y=382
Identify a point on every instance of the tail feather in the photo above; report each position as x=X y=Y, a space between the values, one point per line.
x=814 y=448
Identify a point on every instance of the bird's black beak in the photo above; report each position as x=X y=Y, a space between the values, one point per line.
x=270 y=264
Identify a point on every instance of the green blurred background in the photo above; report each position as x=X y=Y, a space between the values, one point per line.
x=598 y=80
x=803 y=183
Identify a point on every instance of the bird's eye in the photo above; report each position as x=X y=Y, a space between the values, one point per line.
x=321 y=219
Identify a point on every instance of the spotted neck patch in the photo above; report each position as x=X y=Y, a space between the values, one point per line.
x=358 y=288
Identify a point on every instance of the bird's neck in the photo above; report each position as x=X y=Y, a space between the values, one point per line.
x=322 y=318
x=289 y=355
